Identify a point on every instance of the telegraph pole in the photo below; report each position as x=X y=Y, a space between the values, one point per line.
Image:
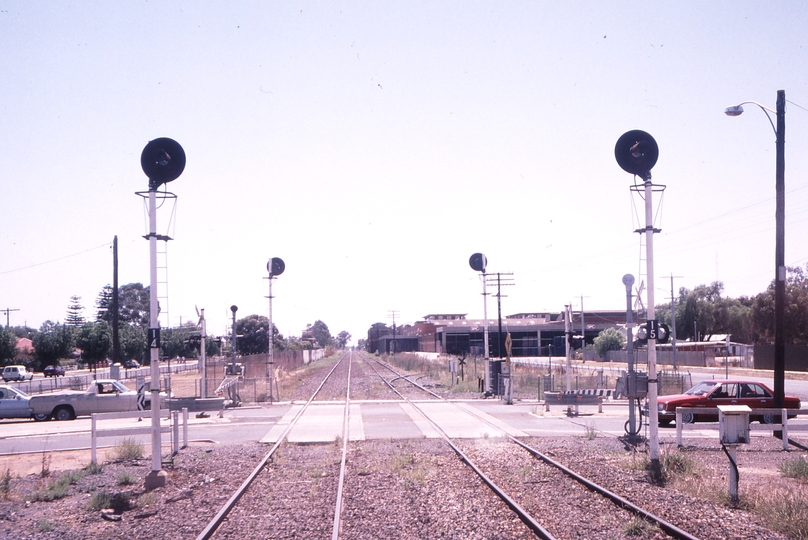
x=7 y=311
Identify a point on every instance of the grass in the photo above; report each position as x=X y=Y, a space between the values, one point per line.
x=785 y=508
x=590 y=431
x=795 y=468
x=45 y=525
x=128 y=450
x=5 y=484
x=638 y=527
x=60 y=488
x=119 y=502
x=125 y=478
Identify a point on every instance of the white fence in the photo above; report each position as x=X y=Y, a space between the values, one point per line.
x=785 y=426
x=139 y=430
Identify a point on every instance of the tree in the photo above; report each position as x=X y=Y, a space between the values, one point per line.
x=321 y=334
x=252 y=334
x=177 y=342
x=74 y=315
x=8 y=346
x=704 y=311
x=52 y=342
x=342 y=339
x=133 y=304
x=609 y=339
x=133 y=343
x=95 y=341
x=796 y=309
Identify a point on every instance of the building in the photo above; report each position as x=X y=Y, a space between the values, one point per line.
x=532 y=334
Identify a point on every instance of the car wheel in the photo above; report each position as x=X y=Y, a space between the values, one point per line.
x=768 y=418
x=688 y=418
x=63 y=413
x=42 y=417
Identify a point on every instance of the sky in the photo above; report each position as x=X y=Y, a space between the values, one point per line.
x=375 y=146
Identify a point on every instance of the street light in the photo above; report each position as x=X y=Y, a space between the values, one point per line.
x=779 y=249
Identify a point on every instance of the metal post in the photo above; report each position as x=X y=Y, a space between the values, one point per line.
x=203 y=355
x=567 y=343
x=271 y=350
x=157 y=477
x=628 y=281
x=487 y=361
x=673 y=324
x=653 y=414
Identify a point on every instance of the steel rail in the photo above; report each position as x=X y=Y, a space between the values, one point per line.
x=216 y=522
x=526 y=518
x=669 y=528
x=345 y=433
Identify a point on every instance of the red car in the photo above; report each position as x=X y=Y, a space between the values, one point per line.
x=721 y=392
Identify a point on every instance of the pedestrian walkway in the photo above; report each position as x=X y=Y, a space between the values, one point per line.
x=388 y=420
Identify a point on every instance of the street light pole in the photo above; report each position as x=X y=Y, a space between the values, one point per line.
x=779 y=255
x=779 y=247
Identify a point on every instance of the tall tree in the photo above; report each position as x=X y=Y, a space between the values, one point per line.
x=95 y=341
x=75 y=313
x=342 y=339
x=796 y=308
x=133 y=343
x=8 y=345
x=252 y=334
x=321 y=334
x=133 y=304
x=52 y=342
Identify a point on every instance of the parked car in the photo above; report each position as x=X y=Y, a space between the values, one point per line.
x=131 y=364
x=755 y=395
x=16 y=373
x=53 y=371
x=102 y=396
x=14 y=403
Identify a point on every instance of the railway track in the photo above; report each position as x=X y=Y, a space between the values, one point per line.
x=329 y=493
x=570 y=483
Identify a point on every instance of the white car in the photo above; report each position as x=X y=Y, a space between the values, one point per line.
x=16 y=373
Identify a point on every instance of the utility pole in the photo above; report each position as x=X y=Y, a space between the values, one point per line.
x=392 y=313
x=116 y=340
x=7 y=311
x=673 y=322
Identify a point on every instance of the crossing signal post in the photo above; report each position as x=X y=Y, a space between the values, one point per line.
x=636 y=152
x=163 y=161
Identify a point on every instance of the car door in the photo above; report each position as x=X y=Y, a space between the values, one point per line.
x=723 y=394
x=13 y=404
x=755 y=396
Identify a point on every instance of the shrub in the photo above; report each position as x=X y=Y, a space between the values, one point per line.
x=794 y=468
x=128 y=450
x=125 y=478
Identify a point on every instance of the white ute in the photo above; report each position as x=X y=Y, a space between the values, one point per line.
x=102 y=396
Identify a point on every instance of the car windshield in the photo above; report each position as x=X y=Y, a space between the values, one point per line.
x=701 y=389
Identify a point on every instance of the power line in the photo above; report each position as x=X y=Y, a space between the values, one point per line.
x=55 y=260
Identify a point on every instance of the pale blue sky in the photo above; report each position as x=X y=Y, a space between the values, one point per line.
x=374 y=146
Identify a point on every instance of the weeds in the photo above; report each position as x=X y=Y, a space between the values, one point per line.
x=784 y=508
x=125 y=478
x=795 y=468
x=99 y=501
x=5 y=484
x=638 y=527
x=591 y=432
x=45 y=468
x=93 y=468
x=45 y=525
x=128 y=450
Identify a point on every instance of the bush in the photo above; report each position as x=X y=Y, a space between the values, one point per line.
x=128 y=450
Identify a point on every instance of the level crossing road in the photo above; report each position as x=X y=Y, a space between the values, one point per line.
x=370 y=420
